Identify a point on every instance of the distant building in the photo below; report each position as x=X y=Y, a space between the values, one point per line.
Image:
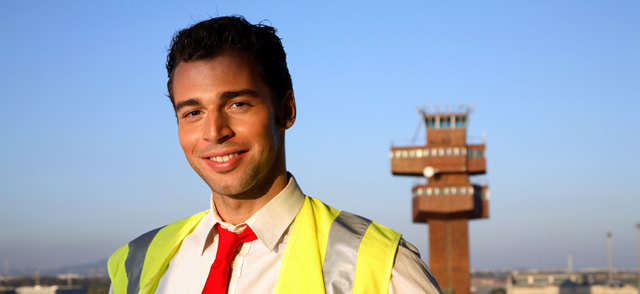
x=48 y=290
x=484 y=285
x=565 y=283
x=7 y=290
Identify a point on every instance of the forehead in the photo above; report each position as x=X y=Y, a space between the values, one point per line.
x=217 y=70
x=224 y=63
x=213 y=76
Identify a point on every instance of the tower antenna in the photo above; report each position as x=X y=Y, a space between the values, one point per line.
x=415 y=135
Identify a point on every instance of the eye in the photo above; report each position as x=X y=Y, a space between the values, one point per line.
x=239 y=104
x=191 y=113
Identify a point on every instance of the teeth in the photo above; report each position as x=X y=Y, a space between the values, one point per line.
x=223 y=158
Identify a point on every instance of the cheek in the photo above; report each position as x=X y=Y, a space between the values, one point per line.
x=275 y=132
x=188 y=139
x=269 y=131
x=257 y=127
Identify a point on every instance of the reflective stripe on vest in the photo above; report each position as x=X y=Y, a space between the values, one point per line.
x=135 y=259
x=339 y=266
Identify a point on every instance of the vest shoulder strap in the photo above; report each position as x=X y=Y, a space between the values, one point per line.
x=333 y=251
x=138 y=266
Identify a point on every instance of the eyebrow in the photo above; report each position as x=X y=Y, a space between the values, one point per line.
x=188 y=102
x=224 y=96
x=233 y=94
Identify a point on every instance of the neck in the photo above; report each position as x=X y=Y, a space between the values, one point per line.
x=238 y=209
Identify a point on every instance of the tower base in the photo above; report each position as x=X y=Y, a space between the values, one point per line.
x=449 y=254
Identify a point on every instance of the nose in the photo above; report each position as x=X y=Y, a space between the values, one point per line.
x=217 y=129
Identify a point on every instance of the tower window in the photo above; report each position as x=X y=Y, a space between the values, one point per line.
x=461 y=121
x=445 y=122
x=476 y=153
x=430 y=122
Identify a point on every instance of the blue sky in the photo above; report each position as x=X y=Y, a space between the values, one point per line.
x=89 y=154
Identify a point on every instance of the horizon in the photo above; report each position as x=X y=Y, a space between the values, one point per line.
x=59 y=268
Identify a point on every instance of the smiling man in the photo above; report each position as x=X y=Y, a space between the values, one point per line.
x=233 y=97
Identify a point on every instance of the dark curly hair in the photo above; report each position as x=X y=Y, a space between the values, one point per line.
x=259 y=43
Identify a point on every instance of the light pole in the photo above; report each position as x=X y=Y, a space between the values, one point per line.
x=570 y=263
x=610 y=258
x=638 y=227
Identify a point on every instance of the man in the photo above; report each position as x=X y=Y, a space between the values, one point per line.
x=233 y=97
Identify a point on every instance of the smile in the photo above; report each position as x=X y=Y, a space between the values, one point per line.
x=224 y=158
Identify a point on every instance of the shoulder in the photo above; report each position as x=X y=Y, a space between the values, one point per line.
x=372 y=239
x=354 y=246
x=340 y=220
x=410 y=274
x=125 y=265
x=177 y=228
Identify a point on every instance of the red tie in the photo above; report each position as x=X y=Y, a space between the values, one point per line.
x=227 y=244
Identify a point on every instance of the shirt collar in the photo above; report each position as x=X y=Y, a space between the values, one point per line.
x=271 y=221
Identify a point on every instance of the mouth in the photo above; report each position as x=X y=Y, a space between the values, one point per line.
x=224 y=158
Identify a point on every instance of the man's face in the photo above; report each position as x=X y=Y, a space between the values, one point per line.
x=227 y=125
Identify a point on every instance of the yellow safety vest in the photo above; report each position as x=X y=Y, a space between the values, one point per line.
x=329 y=251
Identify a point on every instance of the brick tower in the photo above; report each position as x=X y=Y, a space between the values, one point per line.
x=448 y=200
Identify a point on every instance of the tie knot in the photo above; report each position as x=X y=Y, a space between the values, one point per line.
x=247 y=235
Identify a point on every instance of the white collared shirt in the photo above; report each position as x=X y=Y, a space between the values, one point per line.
x=256 y=266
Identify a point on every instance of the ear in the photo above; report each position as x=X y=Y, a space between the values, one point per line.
x=288 y=111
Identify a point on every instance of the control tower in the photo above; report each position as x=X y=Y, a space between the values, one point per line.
x=448 y=199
